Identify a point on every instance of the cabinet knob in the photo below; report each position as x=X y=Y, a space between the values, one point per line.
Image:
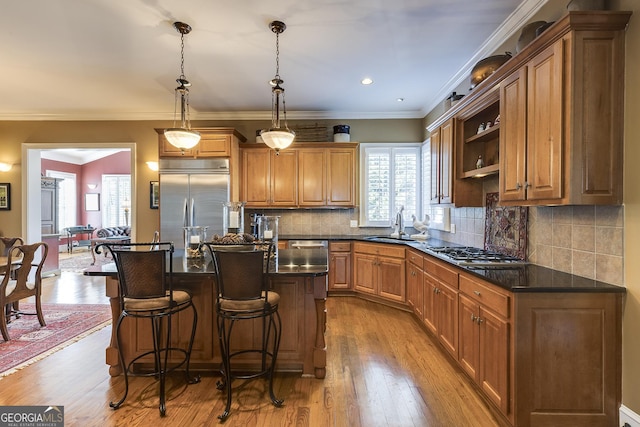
x=518 y=186
x=473 y=317
x=477 y=293
x=527 y=184
x=479 y=320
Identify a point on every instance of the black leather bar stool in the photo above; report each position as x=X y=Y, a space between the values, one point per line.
x=146 y=292
x=243 y=294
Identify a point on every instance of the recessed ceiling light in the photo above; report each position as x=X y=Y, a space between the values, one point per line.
x=399 y=99
x=366 y=81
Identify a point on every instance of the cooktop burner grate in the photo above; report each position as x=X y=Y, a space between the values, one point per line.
x=471 y=256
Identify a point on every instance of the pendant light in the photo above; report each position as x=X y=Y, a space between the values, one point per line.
x=277 y=136
x=182 y=137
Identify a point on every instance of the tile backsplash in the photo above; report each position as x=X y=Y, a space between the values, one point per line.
x=583 y=240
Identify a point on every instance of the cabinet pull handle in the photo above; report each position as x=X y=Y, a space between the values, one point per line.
x=473 y=317
x=518 y=186
x=477 y=293
x=527 y=184
x=479 y=320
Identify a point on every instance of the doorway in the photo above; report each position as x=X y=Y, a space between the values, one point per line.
x=31 y=174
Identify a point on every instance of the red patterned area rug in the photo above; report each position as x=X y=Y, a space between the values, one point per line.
x=66 y=324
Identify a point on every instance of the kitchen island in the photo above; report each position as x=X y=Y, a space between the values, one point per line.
x=300 y=277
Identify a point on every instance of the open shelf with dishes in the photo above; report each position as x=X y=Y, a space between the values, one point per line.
x=478 y=138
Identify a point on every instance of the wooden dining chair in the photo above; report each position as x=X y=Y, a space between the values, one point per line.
x=8 y=242
x=24 y=283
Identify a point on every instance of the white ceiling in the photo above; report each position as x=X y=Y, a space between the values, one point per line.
x=118 y=60
x=77 y=156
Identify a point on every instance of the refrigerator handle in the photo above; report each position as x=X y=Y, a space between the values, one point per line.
x=185 y=214
x=193 y=212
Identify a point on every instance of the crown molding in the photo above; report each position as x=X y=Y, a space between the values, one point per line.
x=513 y=24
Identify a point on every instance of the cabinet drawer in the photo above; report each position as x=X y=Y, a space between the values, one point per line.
x=391 y=250
x=415 y=258
x=339 y=246
x=439 y=270
x=486 y=295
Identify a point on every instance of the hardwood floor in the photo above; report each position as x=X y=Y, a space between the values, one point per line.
x=382 y=370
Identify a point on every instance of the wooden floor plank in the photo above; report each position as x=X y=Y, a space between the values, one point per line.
x=382 y=370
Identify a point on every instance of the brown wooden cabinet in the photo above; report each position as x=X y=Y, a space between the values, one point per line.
x=340 y=266
x=415 y=288
x=379 y=270
x=269 y=180
x=477 y=144
x=446 y=187
x=442 y=163
x=484 y=338
x=313 y=175
x=562 y=114
x=342 y=166
x=440 y=314
x=568 y=353
x=214 y=142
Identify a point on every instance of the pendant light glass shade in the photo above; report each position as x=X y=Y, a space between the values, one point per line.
x=182 y=137
x=278 y=137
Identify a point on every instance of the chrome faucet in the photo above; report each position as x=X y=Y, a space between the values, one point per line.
x=400 y=222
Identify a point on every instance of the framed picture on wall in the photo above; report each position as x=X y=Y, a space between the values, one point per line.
x=92 y=202
x=154 y=194
x=5 y=196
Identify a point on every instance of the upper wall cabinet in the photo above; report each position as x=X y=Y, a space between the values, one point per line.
x=326 y=176
x=309 y=175
x=214 y=142
x=559 y=140
x=269 y=180
x=446 y=189
x=562 y=116
x=478 y=142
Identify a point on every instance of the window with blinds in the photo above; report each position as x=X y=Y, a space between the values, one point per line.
x=391 y=179
x=116 y=200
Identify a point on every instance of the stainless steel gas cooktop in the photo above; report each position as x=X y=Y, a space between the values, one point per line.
x=468 y=256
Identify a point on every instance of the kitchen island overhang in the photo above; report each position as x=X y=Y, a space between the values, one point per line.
x=301 y=281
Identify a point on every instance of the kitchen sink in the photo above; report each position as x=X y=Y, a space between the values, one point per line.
x=389 y=239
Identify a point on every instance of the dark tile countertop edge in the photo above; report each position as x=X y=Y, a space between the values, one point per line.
x=529 y=278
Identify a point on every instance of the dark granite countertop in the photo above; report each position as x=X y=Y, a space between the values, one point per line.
x=527 y=278
x=296 y=262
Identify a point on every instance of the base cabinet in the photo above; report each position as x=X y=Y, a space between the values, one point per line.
x=484 y=339
x=379 y=270
x=340 y=266
x=415 y=288
x=568 y=359
x=440 y=313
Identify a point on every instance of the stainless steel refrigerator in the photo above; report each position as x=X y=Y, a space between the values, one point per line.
x=192 y=193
